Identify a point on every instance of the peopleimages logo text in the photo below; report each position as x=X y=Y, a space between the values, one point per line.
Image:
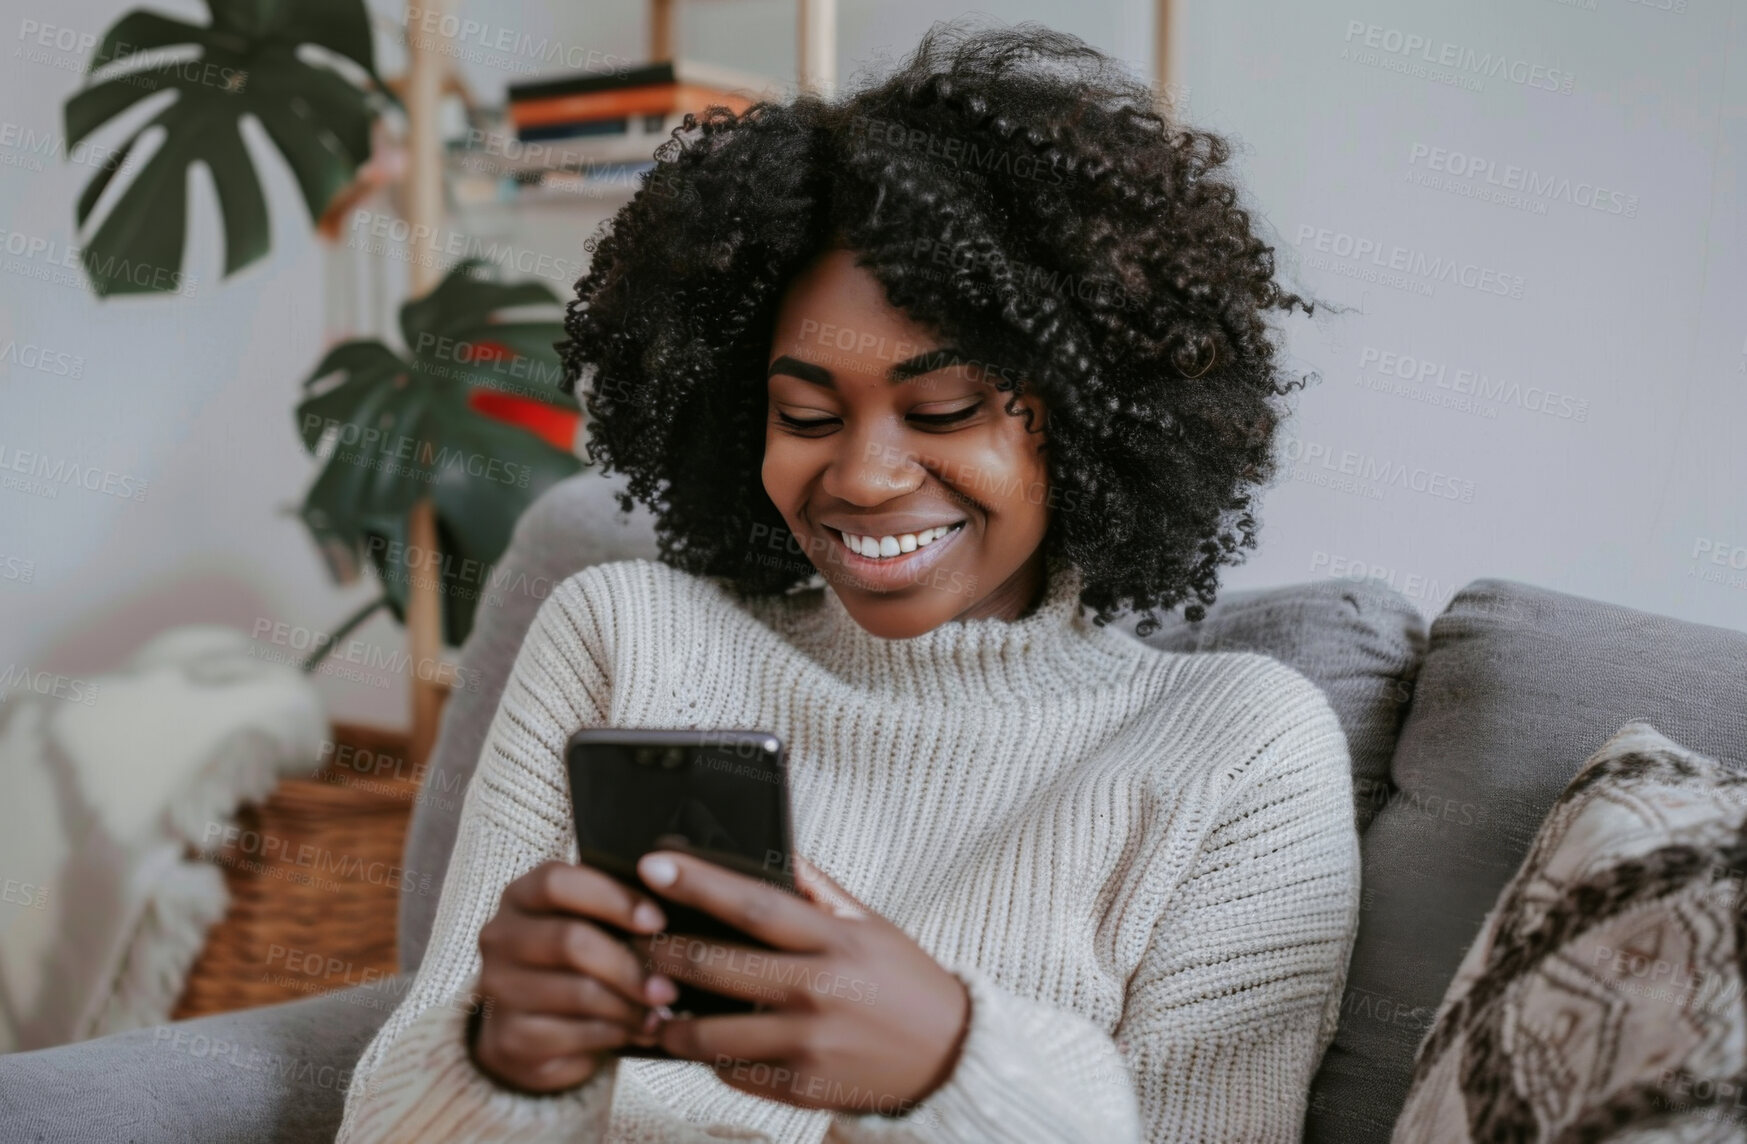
x=43 y=360
x=59 y=471
x=1407 y=260
x=1458 y=58
x=1514 y=177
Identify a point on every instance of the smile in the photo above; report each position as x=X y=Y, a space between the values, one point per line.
x=895 y=548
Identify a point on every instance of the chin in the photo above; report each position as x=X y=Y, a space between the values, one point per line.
x=899 y=615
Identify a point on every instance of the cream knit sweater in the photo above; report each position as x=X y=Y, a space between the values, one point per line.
x=1143 y=865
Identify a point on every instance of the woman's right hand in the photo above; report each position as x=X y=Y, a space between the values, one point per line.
x=559 y=992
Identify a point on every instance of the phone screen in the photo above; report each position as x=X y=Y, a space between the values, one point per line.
x=723 y=801
x=720 y=795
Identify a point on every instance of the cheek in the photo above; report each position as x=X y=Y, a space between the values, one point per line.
x=1014 y=480
x=1025 y=503
x=784 y=472
x=770 y=471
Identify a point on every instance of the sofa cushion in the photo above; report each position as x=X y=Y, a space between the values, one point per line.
x=1604 y=989
x=275 y=1073
x=1360 y=642
x=1519 y=685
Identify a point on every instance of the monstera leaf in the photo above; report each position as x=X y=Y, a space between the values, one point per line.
x=391 y=428
x=248 y=64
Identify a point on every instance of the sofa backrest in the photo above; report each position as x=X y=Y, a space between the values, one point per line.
x=1519 y=686
x=572 y=525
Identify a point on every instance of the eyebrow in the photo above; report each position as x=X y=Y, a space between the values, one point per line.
x=923 y=363
x=805 y=370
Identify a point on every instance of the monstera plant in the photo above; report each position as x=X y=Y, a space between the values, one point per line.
x=468 y=414
x=448 y=418
x=252 y=60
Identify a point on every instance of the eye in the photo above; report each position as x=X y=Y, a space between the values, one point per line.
x=803 y=424
x=952 y=418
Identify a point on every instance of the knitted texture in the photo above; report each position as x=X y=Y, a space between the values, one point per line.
x=1143 y=864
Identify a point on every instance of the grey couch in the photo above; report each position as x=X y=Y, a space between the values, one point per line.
x=1461 y=737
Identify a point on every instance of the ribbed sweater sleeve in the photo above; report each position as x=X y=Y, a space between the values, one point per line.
x=415 y=1082
x=1235 y=1000
x=1239 y=993
x=1027 y=1071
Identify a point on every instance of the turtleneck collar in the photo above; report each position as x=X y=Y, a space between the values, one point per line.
x=1050 y=647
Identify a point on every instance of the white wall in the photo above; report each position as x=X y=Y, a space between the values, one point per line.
x=1634 y=314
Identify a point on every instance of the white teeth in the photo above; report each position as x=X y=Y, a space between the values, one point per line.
x=885 y=547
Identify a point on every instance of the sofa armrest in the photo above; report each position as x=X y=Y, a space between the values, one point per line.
x=277 y=1073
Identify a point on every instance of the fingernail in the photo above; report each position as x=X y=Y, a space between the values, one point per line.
x=651 y=1021
x=658 y=869
x=661 y=990
x=647 y=916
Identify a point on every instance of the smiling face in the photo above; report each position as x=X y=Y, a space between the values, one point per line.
x=892 y=458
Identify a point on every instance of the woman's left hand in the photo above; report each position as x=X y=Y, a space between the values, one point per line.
x=859 y=1017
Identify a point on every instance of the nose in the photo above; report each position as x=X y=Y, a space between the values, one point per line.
x=870 y=470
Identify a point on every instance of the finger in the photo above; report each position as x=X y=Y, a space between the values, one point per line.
x=735 y=1039
x=819 y=887
x=559 y=1073
x=529 y=1039
x=554 y=942
x=747 y=972
x=559 y=887
x=558 y=993
x=750 y=905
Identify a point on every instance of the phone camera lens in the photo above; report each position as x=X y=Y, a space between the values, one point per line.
x=674 y=759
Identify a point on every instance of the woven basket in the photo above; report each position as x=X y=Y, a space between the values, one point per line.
x=315 y=882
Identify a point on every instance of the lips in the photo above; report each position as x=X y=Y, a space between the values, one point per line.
x=890 y=573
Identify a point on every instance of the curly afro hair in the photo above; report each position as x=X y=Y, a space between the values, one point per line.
x=1017 y=192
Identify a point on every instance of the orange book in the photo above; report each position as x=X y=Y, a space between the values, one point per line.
x=651 y=99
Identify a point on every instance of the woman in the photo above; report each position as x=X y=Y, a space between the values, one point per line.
x=979 y=346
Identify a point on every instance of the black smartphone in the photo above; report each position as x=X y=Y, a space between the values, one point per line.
x=720 y=795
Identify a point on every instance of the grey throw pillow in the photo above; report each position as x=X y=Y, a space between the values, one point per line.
x=1603 y=998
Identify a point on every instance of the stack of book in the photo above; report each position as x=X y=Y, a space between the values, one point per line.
x=623 y=116
x=586 y=134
